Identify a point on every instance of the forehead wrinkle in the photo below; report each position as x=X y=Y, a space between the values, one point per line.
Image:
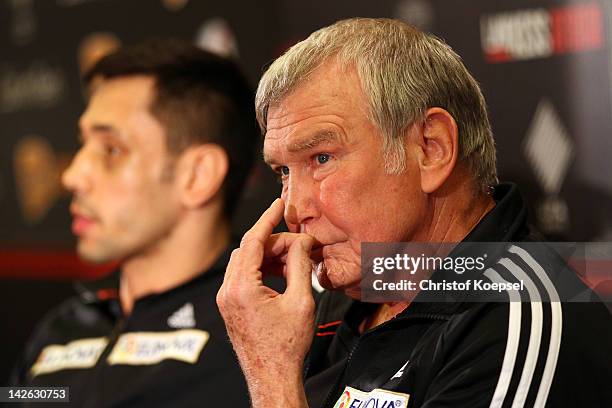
x=307 y=143
x=319 y=138
x=267 y=157
x=279 y=115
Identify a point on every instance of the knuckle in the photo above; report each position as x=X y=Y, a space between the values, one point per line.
x=235 y=254
x=306 y=240
x=306 y=306
x=240 y=295
x=220 y=299
x=247 y=238
x=235 y=293
x=278 y=237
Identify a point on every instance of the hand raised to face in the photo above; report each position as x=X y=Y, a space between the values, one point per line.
x=271 y=332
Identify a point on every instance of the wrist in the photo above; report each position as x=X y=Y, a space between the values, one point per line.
x=278 y=390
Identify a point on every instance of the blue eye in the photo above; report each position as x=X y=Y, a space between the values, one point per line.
x=283 y=171
x=323 y=158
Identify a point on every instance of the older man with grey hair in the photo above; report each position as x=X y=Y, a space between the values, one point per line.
x=380 y=134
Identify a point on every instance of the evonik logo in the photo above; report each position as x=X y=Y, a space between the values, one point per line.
x=377 y=398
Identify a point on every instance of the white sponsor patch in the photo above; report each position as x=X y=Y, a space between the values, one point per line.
x=377 y=398
x=82 y=353
x=146 y=348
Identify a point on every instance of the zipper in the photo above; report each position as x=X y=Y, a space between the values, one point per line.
x=382 y=326
x=314 y=331
x=337 y=383
x=112 y=341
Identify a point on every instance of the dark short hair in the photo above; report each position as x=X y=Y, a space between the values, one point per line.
x=200 y=98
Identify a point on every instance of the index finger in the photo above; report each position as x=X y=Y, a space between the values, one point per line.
x=278 y=244
x=253 y=242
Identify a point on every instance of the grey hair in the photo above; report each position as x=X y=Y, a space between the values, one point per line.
x=403 y=72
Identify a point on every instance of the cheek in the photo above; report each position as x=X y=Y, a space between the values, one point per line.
x=128 y=196
x=125 y=212
x=367 y=207
x=345 y=203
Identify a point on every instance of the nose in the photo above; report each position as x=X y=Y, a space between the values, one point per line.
x=300 y=196
x=76 y=177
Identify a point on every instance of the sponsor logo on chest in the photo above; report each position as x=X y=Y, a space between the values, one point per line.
x=377 y=398
x=145 y=348
x=82 y=353
x=136 y=348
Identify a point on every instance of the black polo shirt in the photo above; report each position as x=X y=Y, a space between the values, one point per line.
x=172 y=350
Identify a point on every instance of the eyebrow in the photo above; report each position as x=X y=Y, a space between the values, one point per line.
x=100 y=128
x=314 y=141
x=309 y=143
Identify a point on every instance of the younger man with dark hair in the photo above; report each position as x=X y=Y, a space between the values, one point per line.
x=168 y=139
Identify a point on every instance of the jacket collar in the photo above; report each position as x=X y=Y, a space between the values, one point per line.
x=506 y=222
x=106 y=289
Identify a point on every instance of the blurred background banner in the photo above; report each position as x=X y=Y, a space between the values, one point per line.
x=545 y=68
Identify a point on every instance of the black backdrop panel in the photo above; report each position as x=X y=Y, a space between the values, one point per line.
x=544 y=67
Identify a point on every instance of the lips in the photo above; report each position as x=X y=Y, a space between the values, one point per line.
x=81 y=221
x=80 y=225
x=317 y=255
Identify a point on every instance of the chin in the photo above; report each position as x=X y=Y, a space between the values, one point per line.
x=92 y=255
x=92 y=258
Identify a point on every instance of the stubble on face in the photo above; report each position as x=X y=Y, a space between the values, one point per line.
x=108 y=247
x=129 y=197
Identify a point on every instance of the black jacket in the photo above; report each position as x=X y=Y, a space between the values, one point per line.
x=469 y=354
x=172 y=351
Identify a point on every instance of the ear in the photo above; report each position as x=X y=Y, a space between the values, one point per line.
x=202 y=171
x=438 y=148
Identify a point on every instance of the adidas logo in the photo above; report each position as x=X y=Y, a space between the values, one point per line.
x=183 y=318
x=400 y=372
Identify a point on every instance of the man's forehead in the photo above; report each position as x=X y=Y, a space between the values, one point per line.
x=300 y=107
x=322 y=109
x=294 y=128
x=330 y=89
x=117 y=99
x=120 y=108
x=125 y=92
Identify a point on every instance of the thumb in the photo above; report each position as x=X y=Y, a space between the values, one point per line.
x=299 y=267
